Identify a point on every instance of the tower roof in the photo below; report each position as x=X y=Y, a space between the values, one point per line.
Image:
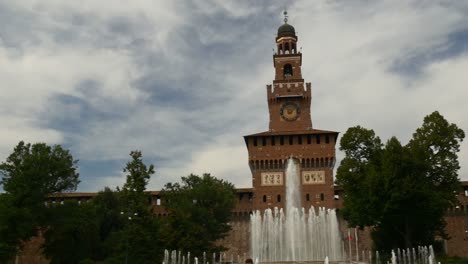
x=286 y=30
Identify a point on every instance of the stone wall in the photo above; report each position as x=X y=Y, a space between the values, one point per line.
x=238 y=240
x=32 y=252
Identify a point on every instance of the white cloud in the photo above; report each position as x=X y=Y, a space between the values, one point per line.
x=206 y=65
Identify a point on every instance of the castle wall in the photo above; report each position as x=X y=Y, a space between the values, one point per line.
x=238 y=239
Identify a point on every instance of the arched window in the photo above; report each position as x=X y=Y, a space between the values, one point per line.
x=264 y=198
x=288 y=71
x=278 y=198
x=307 y=197
x=286 y=47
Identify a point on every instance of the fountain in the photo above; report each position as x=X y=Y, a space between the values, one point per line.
x=295 y=235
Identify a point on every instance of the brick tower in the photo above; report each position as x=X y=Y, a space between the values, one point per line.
x=290 y=134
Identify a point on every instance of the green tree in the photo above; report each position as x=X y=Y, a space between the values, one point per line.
x=401 y=191
x=32 y=172
x=108 y=205
x=88 y=231
x=114 y=227
x=358 y=174
x=16 y=224
x=139 y=240
x=28 y=176
x=138 y=176
x=199 y=212
x=72 y=234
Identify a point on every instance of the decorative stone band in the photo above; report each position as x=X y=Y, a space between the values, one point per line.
x=272 y=178
x=313 y=177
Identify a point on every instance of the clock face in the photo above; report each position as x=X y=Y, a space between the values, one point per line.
x=290 y=111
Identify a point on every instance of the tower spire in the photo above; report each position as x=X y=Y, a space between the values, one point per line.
x=285 y=13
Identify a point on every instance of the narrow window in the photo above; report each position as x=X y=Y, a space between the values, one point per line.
x=309 y=139
x=158 y=201
x=272 y=140
x=255 y=141
x=278 y=198
x=327 y=139
x=263 y=141
x=322 y=197
x=264 y=198
x=290 y=140
x=307 y=197
x=288 y=70
x=282 y=140
x=466 y=192
x=318 y=139
x=299 y=139
x=240 y=196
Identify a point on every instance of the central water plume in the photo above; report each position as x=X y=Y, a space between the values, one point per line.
x=296 y=235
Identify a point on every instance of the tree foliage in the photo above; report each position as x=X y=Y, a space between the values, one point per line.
x=72 y=234
x=138 y=176
x=32 y=172
x=138 y=173
x=141 y=230
x=199 y=212
x=401 y=191
x=114 y=227
x=29 y=174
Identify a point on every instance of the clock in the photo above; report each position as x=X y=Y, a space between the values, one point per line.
x=290 y=111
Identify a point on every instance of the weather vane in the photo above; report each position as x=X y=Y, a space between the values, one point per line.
x=285 y=13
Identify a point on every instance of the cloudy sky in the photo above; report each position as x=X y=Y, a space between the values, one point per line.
x=183 y=81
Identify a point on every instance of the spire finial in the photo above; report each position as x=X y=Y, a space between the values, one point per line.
x=285 y=13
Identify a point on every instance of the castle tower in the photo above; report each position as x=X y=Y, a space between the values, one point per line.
x=290 y=134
